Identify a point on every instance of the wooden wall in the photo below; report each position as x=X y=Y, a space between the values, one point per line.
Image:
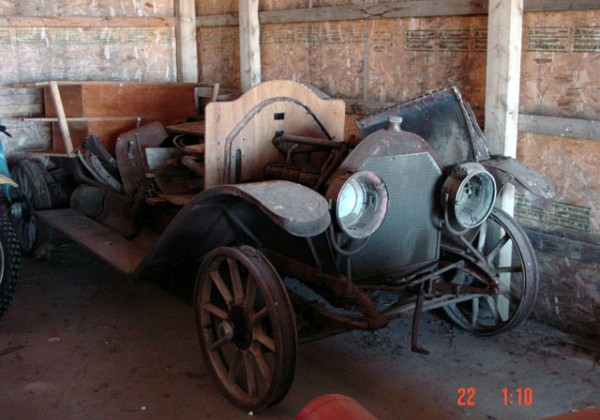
x=77 y=40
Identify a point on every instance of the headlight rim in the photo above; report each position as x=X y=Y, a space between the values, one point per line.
x=455 y=184
x=373 y=186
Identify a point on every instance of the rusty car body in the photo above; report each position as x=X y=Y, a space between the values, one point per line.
x=299 y=233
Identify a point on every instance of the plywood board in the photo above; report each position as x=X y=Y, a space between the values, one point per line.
x=87 y=8
x=561 y=58
x=247 y=126
x=112 y=108
x=572 y=165
x=219 y=56
x=124 y=54
x=379 y=61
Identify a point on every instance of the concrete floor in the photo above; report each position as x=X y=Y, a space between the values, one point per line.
x=81 y=341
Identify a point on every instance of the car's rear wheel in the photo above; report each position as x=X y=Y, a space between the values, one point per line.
x=501 y=253
x=246 y=327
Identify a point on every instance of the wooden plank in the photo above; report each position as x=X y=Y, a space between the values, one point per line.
x=557 y=5
x=246 y=127
x=503 y=74
x=393 y=9
x=560 y=127
x=21 y=109
x=196 y=128
x=187 y=44
x=86 y=22
x=122 y=254
x=505 y=28
x=78 y=119
x=148 y=100
x=249 y=44
x=564 y=247
x=62 y=119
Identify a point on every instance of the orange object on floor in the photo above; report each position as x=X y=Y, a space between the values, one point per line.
x=334 y=407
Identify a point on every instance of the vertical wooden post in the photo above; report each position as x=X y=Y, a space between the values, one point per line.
x=505 y=28
x=187 y=44
x=249 y=44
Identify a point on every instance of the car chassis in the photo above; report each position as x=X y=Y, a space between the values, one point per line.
x=361 y=232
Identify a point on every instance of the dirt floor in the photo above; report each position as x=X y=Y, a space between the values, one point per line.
x=81 y=341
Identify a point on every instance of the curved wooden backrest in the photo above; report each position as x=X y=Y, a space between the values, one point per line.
x=239 y=133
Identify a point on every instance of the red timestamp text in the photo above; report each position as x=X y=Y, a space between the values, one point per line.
x=522 y=396
x=466 y=397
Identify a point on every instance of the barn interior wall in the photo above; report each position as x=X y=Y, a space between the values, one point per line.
x=69 y=52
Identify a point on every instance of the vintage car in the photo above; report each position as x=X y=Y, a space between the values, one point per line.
x=288 y=231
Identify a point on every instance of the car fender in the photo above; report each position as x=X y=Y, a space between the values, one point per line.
x=536 y=188
x=213 y=218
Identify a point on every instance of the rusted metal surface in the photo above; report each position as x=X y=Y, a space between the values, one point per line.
x=299 y=210
x=535 y=187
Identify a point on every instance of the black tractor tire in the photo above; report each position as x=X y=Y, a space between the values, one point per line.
x=10 y=261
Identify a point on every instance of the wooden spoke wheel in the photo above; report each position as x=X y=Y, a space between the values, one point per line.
x=246 y=327
x=498 y=252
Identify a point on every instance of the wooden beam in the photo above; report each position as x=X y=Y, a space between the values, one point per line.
x=187 y=43
x=391 y=9
x=85 y=21
x=560 y=127
x=249 y=44
x=503 y=76
x=558 y=5
x=62 y=119
x=573 y=249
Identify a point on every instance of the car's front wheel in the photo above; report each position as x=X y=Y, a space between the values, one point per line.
x=246 y=326
x=498 y=252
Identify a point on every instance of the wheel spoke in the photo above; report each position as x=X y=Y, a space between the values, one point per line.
x=513 y=269
x=250 y=374
x=492 y=304
x=219 y=343
x=499 y=245
x=266 y=341
x=250 y=296
x=236 y=282
x=263 y=365
x=222 y=287
x=474 y=311
x=215 y=310
x=235 y=366
x=260 y=315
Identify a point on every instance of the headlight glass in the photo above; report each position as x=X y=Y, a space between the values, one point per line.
x=361 y=201
x=468 y=196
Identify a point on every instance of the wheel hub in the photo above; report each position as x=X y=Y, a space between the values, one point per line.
x=242 y=330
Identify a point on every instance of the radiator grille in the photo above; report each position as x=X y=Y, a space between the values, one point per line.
x=409 y=235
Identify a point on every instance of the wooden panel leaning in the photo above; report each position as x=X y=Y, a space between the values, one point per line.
x=239 y=133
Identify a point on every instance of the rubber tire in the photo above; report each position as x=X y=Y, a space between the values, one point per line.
x=10 y=261
x=33 y=171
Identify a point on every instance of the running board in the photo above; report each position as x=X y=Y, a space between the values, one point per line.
x=122 y=254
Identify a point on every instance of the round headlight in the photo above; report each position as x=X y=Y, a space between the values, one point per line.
x=468 y=196
x=360 y=203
